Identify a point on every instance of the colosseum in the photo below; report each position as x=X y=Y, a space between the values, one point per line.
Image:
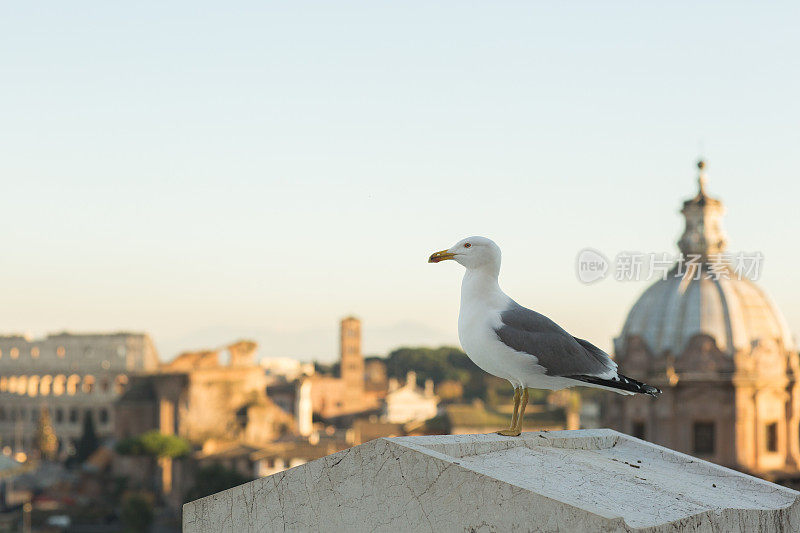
x=73 y=376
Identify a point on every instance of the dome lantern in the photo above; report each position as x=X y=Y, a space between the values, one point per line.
x=703 y=235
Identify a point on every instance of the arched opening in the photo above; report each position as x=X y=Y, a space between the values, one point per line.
x=72 y=384
x=120 y=384
x=3 y=384
x=22 y=384
x=12 y=384
x=88 y=384
x=59 y=384
x=46 y=385
x=33 y=386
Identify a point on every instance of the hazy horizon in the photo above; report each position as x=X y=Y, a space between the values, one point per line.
x=205 y=172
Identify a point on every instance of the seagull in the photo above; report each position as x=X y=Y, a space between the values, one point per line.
x=518 y=344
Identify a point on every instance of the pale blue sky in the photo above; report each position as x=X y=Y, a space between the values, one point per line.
x=204 y=171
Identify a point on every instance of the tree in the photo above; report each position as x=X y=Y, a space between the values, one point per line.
x=154 y=444
x=89 y=441
x=214 y=478
x=437 y=364
x=447 y=363
x=45 y=439
x=160 y=448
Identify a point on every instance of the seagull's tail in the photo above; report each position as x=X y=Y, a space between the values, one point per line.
x=621 y=384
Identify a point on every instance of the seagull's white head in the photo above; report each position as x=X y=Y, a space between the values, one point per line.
x=474 y=253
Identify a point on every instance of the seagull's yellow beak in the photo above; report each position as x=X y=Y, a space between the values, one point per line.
x=444 y=255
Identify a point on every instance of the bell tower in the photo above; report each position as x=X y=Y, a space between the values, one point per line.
x=352 y=363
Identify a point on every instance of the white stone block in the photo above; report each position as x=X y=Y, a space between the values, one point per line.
x=587 y=480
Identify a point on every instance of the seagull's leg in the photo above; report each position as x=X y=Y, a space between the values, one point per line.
x=514 y=417
x=510 y=432
x=518 y=428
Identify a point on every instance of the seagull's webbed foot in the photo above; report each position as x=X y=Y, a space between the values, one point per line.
x=509 y=432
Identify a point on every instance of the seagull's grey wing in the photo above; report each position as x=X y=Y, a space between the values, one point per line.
x=558 y=352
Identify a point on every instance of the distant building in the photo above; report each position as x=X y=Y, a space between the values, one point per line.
x=351 y=367
x=275 y=457
x=291 y=453
x=295 y=398
x=476 y=417
x=336 y=396
x=303 y=408
x=285 y=369
x=410 y=403
x=198 y=398
x=722 y=353
x=376 y=382
x=214 y=406
x=74 y=376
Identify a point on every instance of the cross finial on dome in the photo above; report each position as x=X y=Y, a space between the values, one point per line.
x=701 y=177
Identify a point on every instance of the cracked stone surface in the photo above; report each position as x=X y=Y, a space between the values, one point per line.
x=587 y=480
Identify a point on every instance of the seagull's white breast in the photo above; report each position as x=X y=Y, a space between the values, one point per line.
x=478 y=319
x=476 y=332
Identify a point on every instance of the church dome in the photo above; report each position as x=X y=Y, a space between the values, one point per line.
x=734 y=312
x=730 y=308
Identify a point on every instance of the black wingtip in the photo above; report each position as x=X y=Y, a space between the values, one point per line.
x=651 y=391
x=622 y=383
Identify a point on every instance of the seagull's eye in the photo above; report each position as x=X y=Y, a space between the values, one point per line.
x=467 y=245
